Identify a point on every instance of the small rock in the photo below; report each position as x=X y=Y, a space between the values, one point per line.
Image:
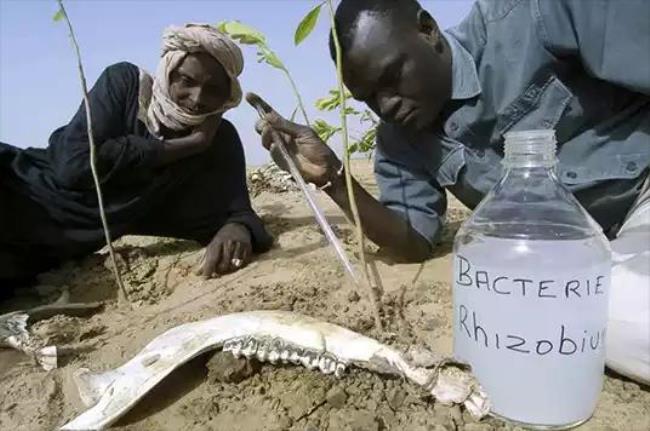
x=388 y=300
x=353 y=296
x=467 y=417
x=371 y=405
x=396 y=398
x=91 y=332
x=284 y=422
x=364 y=324
x=441 y=413
x=631 y=386
x=122 y=264
x=336 y=397
x=304 y=394
x=223 y=367
x=456 y=415
x=270 y=178
x=352 y=420
x=626 y=397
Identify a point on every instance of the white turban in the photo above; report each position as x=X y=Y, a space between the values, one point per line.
x=156 y=106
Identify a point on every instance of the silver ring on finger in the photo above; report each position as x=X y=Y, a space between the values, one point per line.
x=236 y=262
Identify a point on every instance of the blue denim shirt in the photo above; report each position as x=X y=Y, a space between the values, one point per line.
x=579 y=67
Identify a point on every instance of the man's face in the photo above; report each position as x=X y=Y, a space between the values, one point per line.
x=395 y=69
x=199 y=84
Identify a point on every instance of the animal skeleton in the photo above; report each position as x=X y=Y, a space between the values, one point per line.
x=272 y=336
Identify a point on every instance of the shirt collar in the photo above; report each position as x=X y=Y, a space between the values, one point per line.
x=465 y=83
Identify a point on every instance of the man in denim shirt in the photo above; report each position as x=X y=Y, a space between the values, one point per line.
x=446 y=99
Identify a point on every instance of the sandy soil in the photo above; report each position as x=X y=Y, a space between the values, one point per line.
x=217 y=393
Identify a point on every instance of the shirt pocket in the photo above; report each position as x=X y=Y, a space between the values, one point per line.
x=540 y=106
x=615 y=167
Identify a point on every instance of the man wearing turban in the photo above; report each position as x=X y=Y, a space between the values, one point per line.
x=169 y=165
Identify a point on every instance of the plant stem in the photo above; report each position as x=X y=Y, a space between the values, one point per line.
x=121 y=294
x=348 y=173
x=298 y=96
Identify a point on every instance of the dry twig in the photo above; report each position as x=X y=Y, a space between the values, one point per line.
x=122 y=295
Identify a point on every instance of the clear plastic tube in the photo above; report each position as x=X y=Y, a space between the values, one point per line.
x=318 y=213
x=262 y=109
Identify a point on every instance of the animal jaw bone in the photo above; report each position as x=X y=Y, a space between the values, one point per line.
x=273 y=336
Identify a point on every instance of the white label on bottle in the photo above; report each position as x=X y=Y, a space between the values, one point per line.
x=533 y=333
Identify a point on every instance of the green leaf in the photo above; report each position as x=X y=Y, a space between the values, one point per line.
x=242 y=33
x=324 y=130
x=307 y=25
x=332 y=101
x=273 y=60
x=58 y=16
x=369 y=117
x=264 y=54
x=222 y=26
x=328 y=103
x=366 y=143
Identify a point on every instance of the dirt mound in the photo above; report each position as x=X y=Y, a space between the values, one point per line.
x=269 y=178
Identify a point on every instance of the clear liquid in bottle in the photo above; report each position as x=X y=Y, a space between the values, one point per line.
x=531 y=280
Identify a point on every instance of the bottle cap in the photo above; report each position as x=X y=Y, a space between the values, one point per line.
x=530 y=148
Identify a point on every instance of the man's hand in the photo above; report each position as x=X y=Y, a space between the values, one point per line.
x=229 y=250
x=316 y=161
x=318 y=164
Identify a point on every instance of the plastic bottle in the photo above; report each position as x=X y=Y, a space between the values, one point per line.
x=531 y=282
